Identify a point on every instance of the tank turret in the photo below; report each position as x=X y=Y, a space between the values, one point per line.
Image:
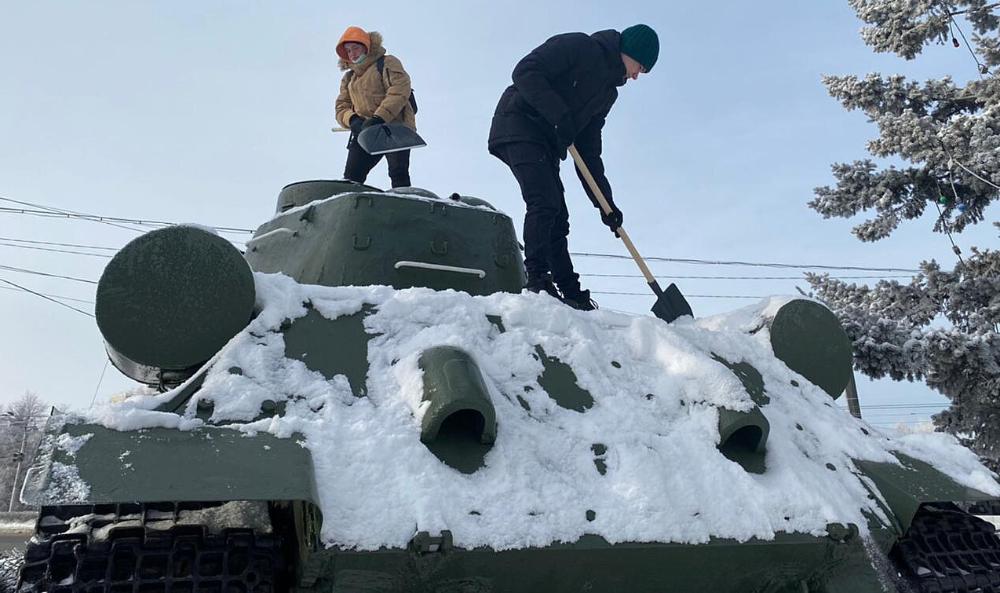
x=342 y=234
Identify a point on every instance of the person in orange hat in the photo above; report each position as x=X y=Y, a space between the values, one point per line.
x=375 y=89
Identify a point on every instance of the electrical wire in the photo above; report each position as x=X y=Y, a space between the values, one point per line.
x=99 y=381
x=738 y=277
x=225 y=229
x=37 y=273
x=745 y=263
x=36 y=242
x=60 y=210
x=97 y=218
x=987 y=7
x=693 y=296
x=53 y=250
x=55 y=296
x=38 y=294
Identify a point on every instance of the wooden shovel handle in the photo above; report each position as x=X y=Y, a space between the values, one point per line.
x=582 y=166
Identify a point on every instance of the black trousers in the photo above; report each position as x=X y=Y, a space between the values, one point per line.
x=546 y=222
x=360 y=163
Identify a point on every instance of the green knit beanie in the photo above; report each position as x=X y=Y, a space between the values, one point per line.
x=640 y=43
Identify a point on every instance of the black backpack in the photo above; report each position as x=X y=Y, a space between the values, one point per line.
x=380 y=64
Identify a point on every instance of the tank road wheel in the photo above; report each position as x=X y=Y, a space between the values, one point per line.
x=948 y=549
x=184 y=559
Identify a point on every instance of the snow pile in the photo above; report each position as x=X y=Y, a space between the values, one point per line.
x=657 y=391
x=23 y=527
x=10 y=566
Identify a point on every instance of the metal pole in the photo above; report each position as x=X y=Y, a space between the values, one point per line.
x=17 y=470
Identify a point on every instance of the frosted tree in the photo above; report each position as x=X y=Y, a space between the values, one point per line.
x=20 y=428
x=941 y=328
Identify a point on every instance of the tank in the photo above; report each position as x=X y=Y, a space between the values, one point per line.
x=362 y=401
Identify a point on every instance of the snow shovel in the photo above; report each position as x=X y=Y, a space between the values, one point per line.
x=670 y=303
x=386 y=138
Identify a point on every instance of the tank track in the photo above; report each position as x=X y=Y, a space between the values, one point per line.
x=144 y=559
x=947 y=550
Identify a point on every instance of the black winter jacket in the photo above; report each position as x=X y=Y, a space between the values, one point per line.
x=573 y=75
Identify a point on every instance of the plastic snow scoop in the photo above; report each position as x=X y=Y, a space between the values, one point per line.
x=386 y=138
x=670 y=303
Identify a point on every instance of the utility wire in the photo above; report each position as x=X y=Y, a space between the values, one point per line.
x=38 y=294
x=987 y=7
x=60 y=210
x=36 y=242
x=55 y=296
x=53 y=250
x=97 y=218
x=901 y=406
x=745 y=263
x=99 y=381
x=37 y=273
x=160 y=223
x=695 y=296
x=738 y=277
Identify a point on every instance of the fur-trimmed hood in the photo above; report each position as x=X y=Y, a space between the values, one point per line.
x=375 y=52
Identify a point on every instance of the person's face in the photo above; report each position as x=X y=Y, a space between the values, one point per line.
x=632 y=68
x=354 y=50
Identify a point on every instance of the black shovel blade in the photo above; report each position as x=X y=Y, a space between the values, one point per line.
x=386 y=138
x=670 y=303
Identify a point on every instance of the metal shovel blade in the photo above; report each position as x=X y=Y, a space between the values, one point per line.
x=670 y=303
x=386 y=138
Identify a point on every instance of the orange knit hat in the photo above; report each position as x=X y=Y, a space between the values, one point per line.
x=355 y=34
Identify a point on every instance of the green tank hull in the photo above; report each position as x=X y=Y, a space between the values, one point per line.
x=198 y=501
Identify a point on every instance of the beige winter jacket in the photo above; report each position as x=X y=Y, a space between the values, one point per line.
x=363 y=92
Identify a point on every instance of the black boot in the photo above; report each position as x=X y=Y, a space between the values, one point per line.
x=580 y=300
x=543 y=284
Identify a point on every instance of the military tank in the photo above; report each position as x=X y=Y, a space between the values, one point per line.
x=362 y=400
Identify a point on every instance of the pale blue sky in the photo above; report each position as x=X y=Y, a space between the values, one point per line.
x=201 y=111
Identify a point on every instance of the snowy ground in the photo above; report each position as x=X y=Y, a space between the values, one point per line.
x=16 y=527
x=10 y=565
x=657 y=391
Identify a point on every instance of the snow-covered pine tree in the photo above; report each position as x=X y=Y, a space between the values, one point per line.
x=949 y=137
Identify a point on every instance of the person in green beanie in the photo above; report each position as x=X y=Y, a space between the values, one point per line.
x=561 y=94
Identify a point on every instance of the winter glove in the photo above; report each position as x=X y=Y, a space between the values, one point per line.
x=613 y=220
x=372 y=121
x=565 y=131
x=356 y=122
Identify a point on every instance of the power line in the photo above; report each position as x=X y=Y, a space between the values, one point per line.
x=53 y=209
x=738 y=277
x=56 y=296
x=987 y=7
x=99 y=381
x=53 y=250
x=695 y=296
x=36 y=242
x=160 y=223
x=37 y=273
x=746 y=263
x=38 y=294
x=98 y=218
